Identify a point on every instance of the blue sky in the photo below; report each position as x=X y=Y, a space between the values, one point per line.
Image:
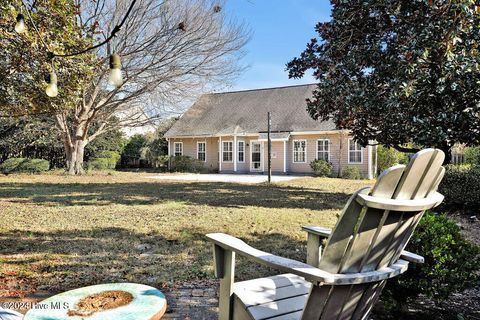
x=280 y=31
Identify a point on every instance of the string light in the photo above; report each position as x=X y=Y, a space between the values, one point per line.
x=20 y=25
x=115 y=76
x=52 y=89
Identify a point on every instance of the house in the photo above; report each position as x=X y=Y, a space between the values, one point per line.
x=228 y=132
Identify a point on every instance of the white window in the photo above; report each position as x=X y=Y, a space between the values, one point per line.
x=355 y=152
x=178 y=149
x=201 y=151
x=241 y=151
x=227 y=151
x=299 y=151
x=323 y=149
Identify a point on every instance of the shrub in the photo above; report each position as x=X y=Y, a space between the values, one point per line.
x=33 y=166
x=10 y=165
x=321 y=168
x=108 y=155
x=451 y=263
x=472 y=155
x=387 y=157
x=187 y=164
x=351 y=172
x=102 y=164
x=461 y=186
x=24 y=165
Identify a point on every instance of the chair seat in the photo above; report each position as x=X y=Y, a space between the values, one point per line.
x=279 y=297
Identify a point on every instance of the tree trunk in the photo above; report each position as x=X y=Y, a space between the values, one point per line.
x=74 y=155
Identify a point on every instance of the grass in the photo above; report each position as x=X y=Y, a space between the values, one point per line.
x=60 y=232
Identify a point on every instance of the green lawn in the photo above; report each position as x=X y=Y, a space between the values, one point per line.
x=59 y=232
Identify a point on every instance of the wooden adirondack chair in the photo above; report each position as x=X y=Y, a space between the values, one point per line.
x=364 y=250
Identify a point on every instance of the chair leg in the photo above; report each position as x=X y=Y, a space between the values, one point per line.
x=314 y=249
x=225 y=270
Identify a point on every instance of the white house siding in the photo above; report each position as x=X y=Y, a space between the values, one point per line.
x=338 y=153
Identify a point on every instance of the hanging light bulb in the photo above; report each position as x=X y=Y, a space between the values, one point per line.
x=52 y=89
x=115 y=76
x=20 y=25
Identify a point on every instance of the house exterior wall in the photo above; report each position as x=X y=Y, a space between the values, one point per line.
x=281 y=158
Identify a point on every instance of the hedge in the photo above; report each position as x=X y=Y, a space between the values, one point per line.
x=102 y=164
x=321 y=168
x=187 y=164
x=24 y=165
x=451 y=264
x=351 y=172
x=461 y=186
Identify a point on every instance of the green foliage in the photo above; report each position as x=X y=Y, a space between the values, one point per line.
x=397 y=71
x=461 y=186
x=351 y=172
x=10 y=165
x=31 y=137
x=387 y=157
x=102 y=164
x=132 y=153
x=24 y=62
x=472 y=155
x=112 y=140
x=187 y=164
x=24 y=165
x=451 y=263
x=321 y=168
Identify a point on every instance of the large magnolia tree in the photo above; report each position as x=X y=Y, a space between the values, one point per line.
x=398 y=71
x=171 y=51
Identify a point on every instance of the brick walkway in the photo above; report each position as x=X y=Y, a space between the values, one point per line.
x=192 y=301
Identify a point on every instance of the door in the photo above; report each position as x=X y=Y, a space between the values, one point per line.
x=256 y=156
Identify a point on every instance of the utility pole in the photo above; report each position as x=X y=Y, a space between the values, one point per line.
x=269 y=149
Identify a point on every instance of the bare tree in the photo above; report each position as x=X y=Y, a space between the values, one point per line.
x=171 y=51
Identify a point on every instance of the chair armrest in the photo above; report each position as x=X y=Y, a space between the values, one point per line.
x=319 y=231
x=283 y=264
x=411 y=257
x=302 y=269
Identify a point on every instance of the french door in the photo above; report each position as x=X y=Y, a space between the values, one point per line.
x=256 y=164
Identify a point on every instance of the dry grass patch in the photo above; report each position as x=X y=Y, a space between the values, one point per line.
x=60 y=232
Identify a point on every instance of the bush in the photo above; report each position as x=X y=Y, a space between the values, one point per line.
x=34 y=166
x=451 y=263
x=321 y=168
x=115 y=156
x=387 y=157
x=472 y=155
x=24 y=165
x=187 y=164
x=461 y=186
x=102 y=164
x=351 y=172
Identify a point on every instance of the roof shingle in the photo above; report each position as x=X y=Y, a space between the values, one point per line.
x=243 y=112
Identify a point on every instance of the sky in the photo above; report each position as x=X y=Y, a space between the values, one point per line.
x=280 y=30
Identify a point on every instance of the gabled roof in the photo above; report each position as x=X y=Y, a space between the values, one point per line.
x=243 y=112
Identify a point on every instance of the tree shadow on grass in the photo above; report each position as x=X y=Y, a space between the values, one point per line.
x=64 y=260
x=197 y=193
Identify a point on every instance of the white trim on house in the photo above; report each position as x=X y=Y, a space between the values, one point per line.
x=238 y=150
x=223 y=142
x=298 y=133
x=169 y=146
x=261 y=167
x=284 y=156
x=361 y=153
x=204 y=151
x=175 y=148
x=328 y=149
x=293 y=151
x=234 y=147
x=220 y=155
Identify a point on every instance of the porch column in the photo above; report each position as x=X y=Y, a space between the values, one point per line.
x=168 y=153
x=235 y=153
x=284 y=156
x=262 y=152
x=219 y=153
